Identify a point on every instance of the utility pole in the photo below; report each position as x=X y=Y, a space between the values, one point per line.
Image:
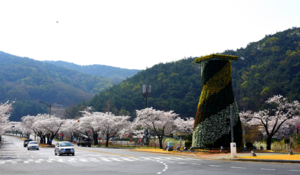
x=50 y=106
x=146 y=93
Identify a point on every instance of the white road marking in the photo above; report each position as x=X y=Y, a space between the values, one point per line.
x=214 y=165
x=116 y=159
x=105 y=159
x=238 y=167
x=267 y=169
x=196 y=164
x=294 y=170
x=158 y=172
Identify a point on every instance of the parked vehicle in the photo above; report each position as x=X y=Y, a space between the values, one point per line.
x=33 y=145
x=26 y=142
x=64 y=148
x=83 y=141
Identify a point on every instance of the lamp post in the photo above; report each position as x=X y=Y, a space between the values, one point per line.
x=50 y=106
x=232 y=144
x=146 y=93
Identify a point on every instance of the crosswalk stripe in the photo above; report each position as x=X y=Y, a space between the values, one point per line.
x=93 y=159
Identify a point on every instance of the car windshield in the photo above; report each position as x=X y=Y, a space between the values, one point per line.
x=65 y=144
x=33 y=143
x=28 y=140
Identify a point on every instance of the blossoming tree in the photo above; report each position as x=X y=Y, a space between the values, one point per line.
x=42 y=125
x=5 y=109
x=105 y=124
x=91 y=121
x=160 y=122
x=185 y=126
x=275 y=121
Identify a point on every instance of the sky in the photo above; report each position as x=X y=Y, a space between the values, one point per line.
x=137 y=34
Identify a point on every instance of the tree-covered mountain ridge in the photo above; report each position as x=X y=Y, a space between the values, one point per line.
x=265 y=68
x=115 y=74
x=25 y=81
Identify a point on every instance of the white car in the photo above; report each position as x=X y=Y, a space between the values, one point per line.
x=33 y=145
x=64 y=148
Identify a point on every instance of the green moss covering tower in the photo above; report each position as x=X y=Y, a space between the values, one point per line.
x=213 y=112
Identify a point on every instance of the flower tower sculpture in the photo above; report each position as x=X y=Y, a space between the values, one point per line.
x=213 y=112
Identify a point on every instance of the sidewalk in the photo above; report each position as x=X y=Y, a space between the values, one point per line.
x=261 y=156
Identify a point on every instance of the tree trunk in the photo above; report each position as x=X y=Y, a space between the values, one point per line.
x=95 y=137
x=269 y=139
x=160 y=142
x=107 y=138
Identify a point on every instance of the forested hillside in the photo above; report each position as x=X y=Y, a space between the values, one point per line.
x=24 y=79
x=267 y=67
x=115 y=74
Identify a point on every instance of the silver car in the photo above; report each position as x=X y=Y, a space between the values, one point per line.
x=64 y=148
x=33 y=145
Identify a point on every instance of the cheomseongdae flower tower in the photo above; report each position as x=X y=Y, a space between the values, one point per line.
x=213 y=112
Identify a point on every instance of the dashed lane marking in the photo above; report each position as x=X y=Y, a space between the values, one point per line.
x=238 y=167
x=267 y=169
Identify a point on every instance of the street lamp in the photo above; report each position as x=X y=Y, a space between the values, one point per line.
x=50 y=106
x=146 y=93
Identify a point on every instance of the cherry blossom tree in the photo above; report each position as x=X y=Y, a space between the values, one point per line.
x=112 y=126
x=274 y=121
x=186 y=125
x=160 y=122
x=30 y=123
x=51 y=125
x=70 y=126
x=5 y=109
x=26 y=125
x=105 y=124
x=90 y=121
x=43 y=125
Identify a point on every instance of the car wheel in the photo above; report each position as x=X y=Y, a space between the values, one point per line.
x=73 y=154
x=27 y=148
x=55 y=153
x=37 y=149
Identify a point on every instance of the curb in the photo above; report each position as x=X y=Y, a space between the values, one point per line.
x=156 y=152
x=261 y=160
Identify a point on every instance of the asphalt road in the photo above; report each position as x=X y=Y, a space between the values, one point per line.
x=15 y=159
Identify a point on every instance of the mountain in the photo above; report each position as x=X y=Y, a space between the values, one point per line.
x=116 y=74
x=23 y=79
x=265 y=68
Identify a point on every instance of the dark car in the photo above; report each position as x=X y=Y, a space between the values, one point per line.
x=26 y=142
x=64 y=148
